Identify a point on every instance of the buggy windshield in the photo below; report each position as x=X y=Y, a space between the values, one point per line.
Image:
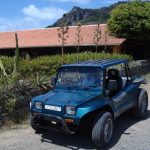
x=80 y=77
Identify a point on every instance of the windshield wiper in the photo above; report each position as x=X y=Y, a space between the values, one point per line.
x=84 y=87
x=72 y=87
x=89 y=86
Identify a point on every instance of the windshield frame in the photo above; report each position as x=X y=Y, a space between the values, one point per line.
x=80 y=87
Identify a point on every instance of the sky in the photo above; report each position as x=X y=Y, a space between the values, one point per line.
x=32 y=14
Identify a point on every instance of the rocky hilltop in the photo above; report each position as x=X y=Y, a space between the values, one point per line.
x=86 y=16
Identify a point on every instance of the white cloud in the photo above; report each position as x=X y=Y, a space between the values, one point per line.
x=18 y=24
x=74 y=1
x=33 y=17
x=45 y=13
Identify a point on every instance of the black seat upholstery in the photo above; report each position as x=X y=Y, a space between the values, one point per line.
x=113 y=74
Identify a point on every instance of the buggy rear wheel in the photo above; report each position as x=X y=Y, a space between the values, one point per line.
x=140 y=110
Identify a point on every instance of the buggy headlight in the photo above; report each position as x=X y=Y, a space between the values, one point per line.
x=70 y=110
x=38 y=105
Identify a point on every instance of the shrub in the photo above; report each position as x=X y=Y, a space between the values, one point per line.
x=47 y=65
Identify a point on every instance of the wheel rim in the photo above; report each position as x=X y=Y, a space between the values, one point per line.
x=144 y=104
x=108 y=130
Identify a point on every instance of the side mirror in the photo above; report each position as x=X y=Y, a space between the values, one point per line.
x=53 y=80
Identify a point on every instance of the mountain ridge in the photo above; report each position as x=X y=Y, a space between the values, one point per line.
x=86 y=16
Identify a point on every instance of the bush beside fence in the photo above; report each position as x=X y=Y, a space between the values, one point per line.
x=49 y=64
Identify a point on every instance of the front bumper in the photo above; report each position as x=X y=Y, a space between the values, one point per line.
x=47 y=121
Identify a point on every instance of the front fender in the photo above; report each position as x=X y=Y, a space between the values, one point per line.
x=91 y=107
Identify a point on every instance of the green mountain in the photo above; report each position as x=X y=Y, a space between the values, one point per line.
x=86 y=16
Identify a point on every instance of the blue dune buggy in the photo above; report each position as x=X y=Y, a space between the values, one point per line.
x=89 y=94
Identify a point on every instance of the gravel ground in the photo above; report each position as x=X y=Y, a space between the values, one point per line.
x=130 y=134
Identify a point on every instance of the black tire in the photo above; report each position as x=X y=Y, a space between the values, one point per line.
x=34 y=125
x=99 y=138
x=140 y=110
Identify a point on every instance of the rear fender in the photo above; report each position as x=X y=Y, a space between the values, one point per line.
x=139 y=81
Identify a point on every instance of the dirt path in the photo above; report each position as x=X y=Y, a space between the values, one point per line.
x=130 y=134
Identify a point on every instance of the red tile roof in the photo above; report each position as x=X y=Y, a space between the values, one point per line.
x=49 y=37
